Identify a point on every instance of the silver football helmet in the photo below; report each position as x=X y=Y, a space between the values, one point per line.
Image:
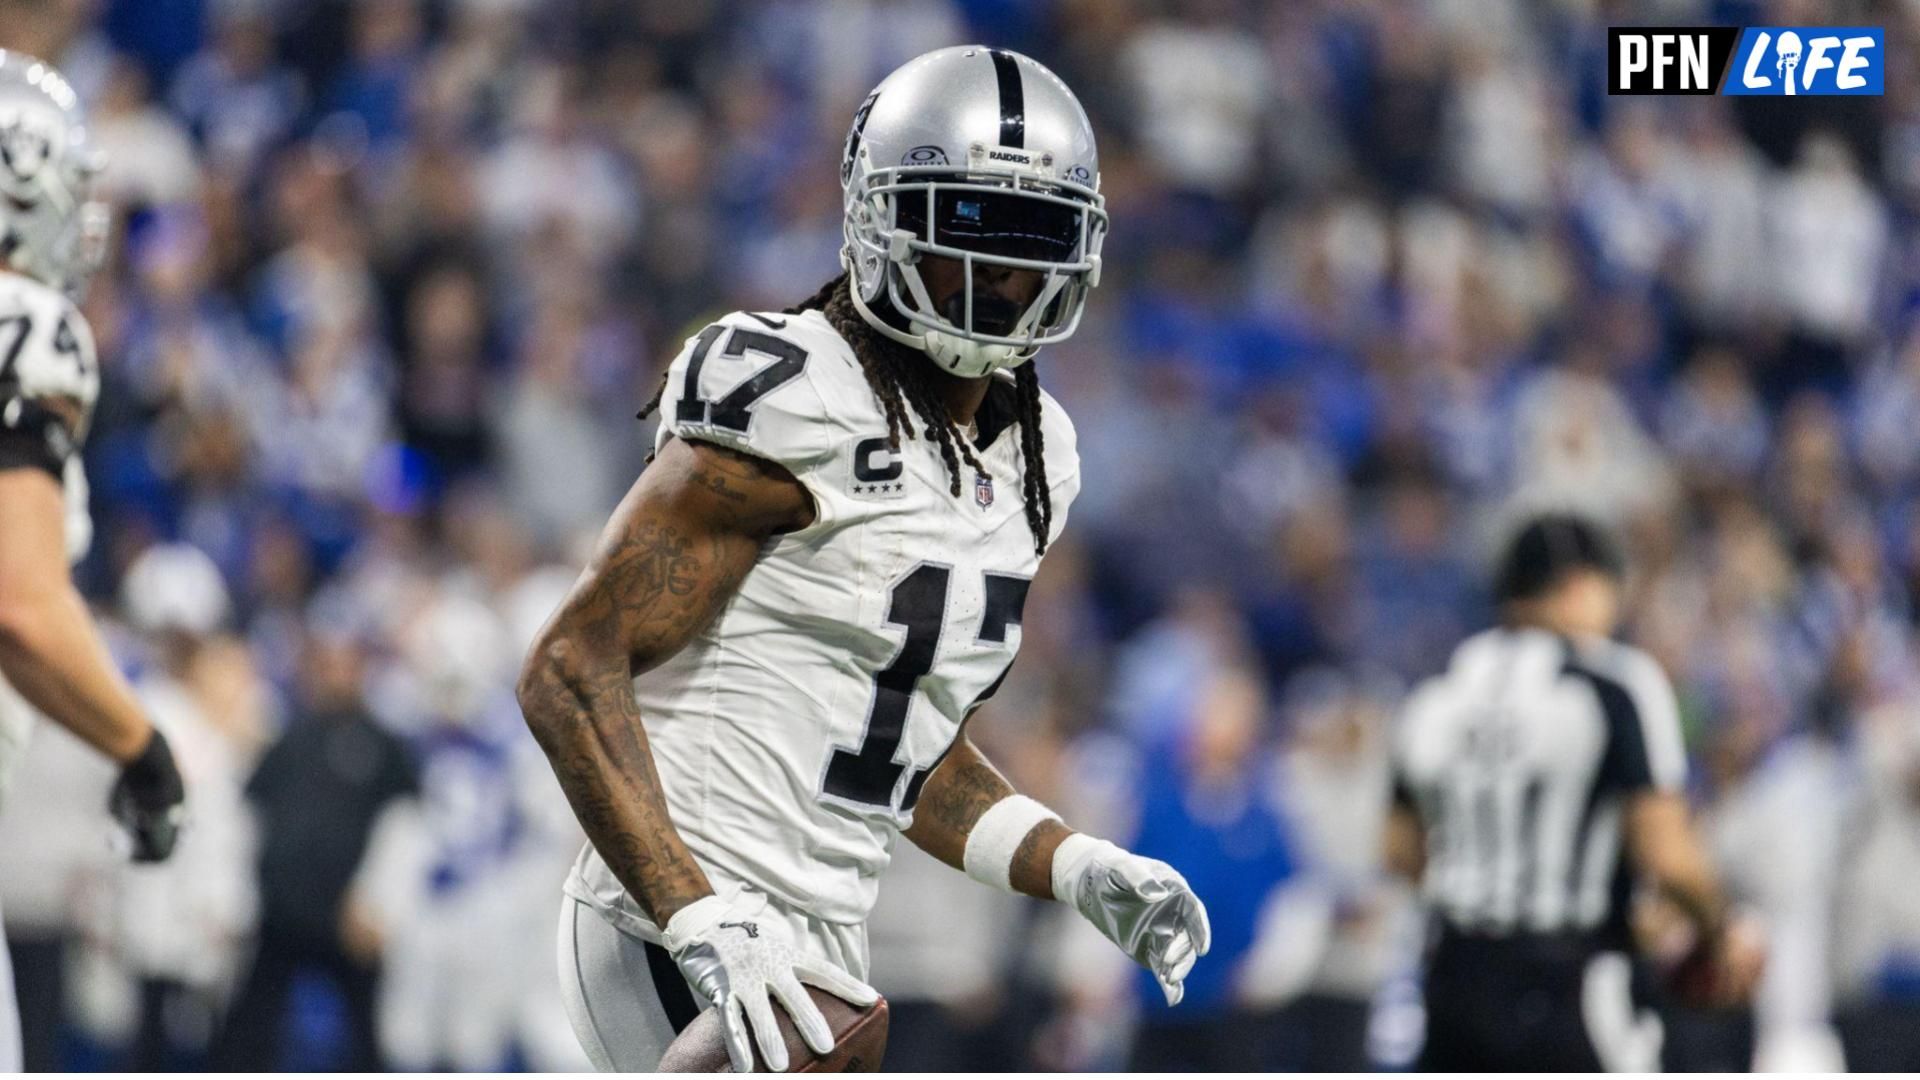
x=51 y=228
x=984 y=157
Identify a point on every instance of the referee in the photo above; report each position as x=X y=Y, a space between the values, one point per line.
x=1535 y=782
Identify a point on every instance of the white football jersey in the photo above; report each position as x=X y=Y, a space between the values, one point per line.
x=49 y=381
x=794 y=734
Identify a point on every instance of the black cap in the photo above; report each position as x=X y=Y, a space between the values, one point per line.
x=1547 y=549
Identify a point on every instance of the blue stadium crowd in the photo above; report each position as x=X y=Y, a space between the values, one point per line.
x=392 y=278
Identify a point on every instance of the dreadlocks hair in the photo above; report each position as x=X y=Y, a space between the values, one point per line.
x=904 y=382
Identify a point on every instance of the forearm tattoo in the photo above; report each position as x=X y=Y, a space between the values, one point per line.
x=968 y=787
x=962 y=788
x=653 y=587
x=1032 y=869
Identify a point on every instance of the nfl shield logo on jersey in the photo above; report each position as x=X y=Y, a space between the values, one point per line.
x=983 y=489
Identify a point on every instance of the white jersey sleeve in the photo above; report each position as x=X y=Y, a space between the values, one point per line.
x=49 y=381
x=743 y=383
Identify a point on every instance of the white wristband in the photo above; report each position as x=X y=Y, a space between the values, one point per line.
x=691 y=921
x=997 y=835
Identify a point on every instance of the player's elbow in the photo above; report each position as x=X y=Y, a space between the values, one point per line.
x=24 y=623
x=16 y=634
x=553 y=687
x=27 y=615
x=540 y=672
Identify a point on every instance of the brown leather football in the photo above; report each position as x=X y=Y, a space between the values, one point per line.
x=859 y=1040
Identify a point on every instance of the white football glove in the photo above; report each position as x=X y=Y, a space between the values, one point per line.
x=740 y=960
x=1140 y=904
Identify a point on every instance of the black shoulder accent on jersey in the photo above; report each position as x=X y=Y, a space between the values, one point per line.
x=37 y=439
x=1625 y=765
x=1623 y=768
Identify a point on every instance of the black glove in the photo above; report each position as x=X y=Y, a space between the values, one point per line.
x=147 y=801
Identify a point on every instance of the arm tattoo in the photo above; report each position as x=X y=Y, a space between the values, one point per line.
x=963 y=787
x=677 y=551
x=969 y=790
x=1032 y=870
x=740 y=480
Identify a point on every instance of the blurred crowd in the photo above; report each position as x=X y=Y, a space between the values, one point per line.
x=393 y=276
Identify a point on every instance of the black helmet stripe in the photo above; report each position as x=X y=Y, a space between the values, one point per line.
x=1013 y=100
x=852 y=152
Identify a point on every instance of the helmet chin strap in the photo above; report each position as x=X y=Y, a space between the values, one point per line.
x=952 y=353
x=971 y=359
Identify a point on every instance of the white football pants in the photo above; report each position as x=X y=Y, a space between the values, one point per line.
x=626 y=997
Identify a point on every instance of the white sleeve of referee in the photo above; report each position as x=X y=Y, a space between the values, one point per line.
x=1658 y=712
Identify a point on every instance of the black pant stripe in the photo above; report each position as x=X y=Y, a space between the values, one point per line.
x=675 y=995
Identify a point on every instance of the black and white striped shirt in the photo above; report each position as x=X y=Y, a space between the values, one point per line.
x=1518 y=760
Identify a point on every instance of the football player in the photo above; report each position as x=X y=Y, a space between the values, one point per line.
x=764 y=675
x=54 y=662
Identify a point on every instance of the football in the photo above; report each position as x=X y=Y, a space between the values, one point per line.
x=1707 y=977
x=1695 y=980
x=859 y=1041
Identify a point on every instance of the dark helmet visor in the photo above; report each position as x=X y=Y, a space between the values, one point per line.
x=995 y=223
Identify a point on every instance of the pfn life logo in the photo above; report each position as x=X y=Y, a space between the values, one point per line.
x=1795 y=60
x=1789 y=61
